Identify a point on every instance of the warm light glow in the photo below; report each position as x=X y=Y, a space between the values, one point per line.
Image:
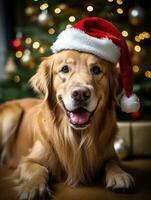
x=110 y=0
x=137 y=48
x=119 y=2
x=28 y=40
x=51 y=31
x=119 y=11
x=135 y=68
x=147 y=35
x=90 y=8
x=17 y=79
x=41 y=50
x=72 y=18
x=117 y=65
x=137 y=39
x=36 y=45
x=148 y=74
x=44 y=6
x=141 y=36
x=125 y=33
x=19 y=54
x=57 y=10
x=68 y=26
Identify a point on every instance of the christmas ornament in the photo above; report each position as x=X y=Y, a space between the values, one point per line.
x=136 y=115
x=136 y=15
x=121 y=148
x=10 y=66
x=101 y=38
x=44 y=18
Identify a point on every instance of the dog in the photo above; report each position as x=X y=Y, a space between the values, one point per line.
x=67 y=135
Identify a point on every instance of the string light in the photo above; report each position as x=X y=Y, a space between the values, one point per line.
x=136 y=68
x=119 y=11
x=125 y=33
x=89 y=8
x=68 y=26
x=17 y=79
x=36 y=45
x=41 y=50
x=137 y=48
x=28 y=40
x=117 y=65
x=72 y=18
x=51 y=31
x=44 y=6
x=148 y=74
x=19 y=54
x=119 y=2
x=137 y=39
x=57 y=10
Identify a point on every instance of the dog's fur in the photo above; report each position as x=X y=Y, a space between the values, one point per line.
x=37 y=137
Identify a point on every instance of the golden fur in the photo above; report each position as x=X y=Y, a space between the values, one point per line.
x=43 y=144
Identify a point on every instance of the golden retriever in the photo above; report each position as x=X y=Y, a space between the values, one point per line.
x=68 y=136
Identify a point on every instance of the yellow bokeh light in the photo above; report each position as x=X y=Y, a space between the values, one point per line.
x=28 y=40
x=148 y=74
x=137 y=39
x=68 y=26
x=110 y=0
x=135 y=68
x=90 y=8
x=44 y=6
x=125 y=33
x=72 y=18
x=19 y=54
x=119 y=11
x=41 y=50
x=119 y=2
x=117 y=65
x=147 y=35
x=51 y=31
x=137 y=48
x=36 y=45
x=141 y=36
x=57 y=10
x=17 y=79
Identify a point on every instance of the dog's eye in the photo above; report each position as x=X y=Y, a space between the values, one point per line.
x=65 y=69
x=95 y=70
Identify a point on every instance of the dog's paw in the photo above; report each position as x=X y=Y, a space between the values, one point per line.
x=33 y=192
x=120 y=182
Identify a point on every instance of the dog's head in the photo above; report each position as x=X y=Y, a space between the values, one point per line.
x=79 y=83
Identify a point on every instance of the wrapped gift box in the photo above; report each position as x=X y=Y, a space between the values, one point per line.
x=136 y=137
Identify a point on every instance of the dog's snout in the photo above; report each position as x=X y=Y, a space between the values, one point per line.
x=81 y=94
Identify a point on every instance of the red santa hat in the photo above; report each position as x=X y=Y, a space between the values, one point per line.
x=101 y=38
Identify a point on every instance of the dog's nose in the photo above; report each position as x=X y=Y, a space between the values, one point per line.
x=81 y=94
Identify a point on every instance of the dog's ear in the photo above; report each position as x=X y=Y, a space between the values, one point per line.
x=115 y=83
x=41 y=81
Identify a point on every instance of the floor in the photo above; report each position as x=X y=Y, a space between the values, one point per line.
x=139 y=168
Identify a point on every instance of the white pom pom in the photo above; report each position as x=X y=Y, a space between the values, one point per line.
x=130 y=104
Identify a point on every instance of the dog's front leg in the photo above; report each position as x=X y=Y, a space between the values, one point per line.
x=33 y=181
x=32 y=173
x=116 y=178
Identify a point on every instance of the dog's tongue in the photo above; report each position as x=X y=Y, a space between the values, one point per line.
x=79 y=118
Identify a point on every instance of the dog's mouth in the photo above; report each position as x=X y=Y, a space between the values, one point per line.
x=79 y=117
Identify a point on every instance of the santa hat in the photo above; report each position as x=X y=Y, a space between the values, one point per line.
x=101 y=38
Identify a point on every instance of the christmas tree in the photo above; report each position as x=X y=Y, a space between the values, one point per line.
x=45 y=19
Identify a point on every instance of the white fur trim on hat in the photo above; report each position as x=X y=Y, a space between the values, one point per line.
x=130 y=104
x=76 y=39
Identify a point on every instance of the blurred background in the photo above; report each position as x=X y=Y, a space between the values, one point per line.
x=29 y=27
